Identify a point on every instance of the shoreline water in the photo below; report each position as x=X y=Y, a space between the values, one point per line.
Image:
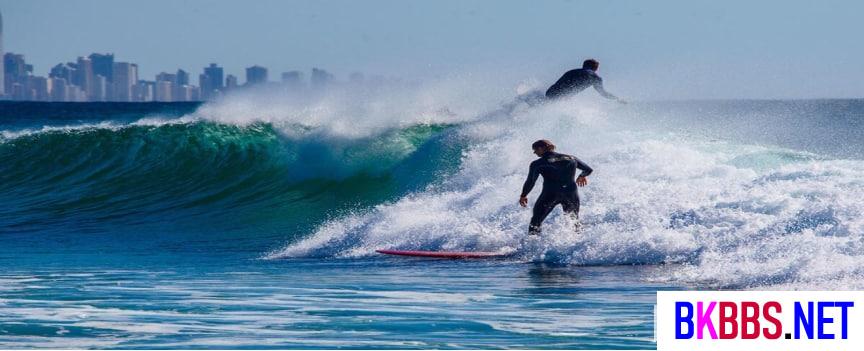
x=354 y=303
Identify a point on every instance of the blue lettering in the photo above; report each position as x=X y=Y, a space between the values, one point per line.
x=802 y=321
x=844 y=313
x=822 y=320
x=686 y=319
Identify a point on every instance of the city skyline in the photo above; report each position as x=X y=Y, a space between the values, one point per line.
x=98 y=77
x=668 y=49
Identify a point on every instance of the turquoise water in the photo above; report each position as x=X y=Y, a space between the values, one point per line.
x=312 y=303
x=254 y=224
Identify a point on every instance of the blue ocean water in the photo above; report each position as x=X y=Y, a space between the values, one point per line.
x=252 y=222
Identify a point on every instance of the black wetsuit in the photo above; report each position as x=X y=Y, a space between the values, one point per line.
x=575 y=81
x=559 y=187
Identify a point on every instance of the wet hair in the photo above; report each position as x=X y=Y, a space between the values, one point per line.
x=591 y=64
x=545 y=144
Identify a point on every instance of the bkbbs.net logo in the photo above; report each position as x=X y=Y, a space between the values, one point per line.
x=759 y=320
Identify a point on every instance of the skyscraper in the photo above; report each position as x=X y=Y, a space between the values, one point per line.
x=230 y=82
x=182 y=77
x=164 y=91
x=83 y=76
x=61 y=70
x=211 y=82
x=38 y=87
x=125 y=76
x=144 y=91
x=256 y=75
x=2 y=66
x=58 y=89
x=17 y=73
x=100 y=88
x=166 y=77
x=103 y=65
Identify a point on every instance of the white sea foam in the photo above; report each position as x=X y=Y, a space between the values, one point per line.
x=348 y=111
x=153 y=121
x=733 y=215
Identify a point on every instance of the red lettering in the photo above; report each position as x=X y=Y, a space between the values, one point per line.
x=749 y=317
x=766 y=313
x=730 y=318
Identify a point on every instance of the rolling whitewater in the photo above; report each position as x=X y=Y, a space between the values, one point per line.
x=254 y=221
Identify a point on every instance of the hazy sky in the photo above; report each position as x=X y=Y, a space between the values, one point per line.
x=647 y=49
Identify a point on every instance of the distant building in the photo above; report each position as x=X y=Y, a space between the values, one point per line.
x=103 y=65
x=204 y=83
x=75 y=94
x=186 y=93
x=62 y=70
x=230 y=82
x=125 y=76
x=164 y=91
x=179 y=92
x=182 y=91
x=292 y=79
x=166 y=77
x=83 y=76
x=182 y=77
x=100 y=88
x=320 y=78
x=211 y=81
x=256 y=75
x=165 y=87
x=194 y=93
x=58 y=89
x=144 y=91
x=16 y=66
x=39 y=89
x=16 y=74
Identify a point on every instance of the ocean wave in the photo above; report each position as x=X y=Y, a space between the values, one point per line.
x=188 y=170
x=343 y=175
x=720 y=213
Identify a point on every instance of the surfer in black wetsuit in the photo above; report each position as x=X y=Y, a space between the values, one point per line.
x=577 y=80
x=558 y=171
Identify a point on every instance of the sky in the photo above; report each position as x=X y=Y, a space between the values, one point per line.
x=688 y=49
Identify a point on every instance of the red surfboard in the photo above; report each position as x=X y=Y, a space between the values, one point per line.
x=443 y=254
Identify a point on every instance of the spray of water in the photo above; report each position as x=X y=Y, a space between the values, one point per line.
x=722 y=213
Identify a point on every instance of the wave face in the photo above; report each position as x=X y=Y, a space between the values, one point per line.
x=734 y=194
x=186 y=178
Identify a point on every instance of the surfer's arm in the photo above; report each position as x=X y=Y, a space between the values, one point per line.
x=598 y=85
x=586 y=170
x=581 y=180
x=533 y=174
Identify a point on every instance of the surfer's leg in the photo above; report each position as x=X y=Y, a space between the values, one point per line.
x=570 y=204
x=542 y=207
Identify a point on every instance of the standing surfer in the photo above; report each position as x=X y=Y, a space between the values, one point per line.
x=558 y=171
